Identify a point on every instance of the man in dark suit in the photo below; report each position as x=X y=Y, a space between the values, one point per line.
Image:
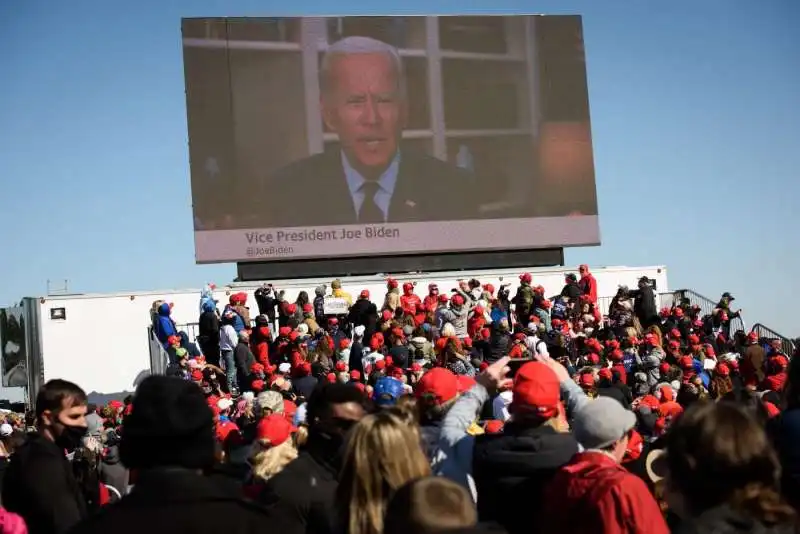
x=369 y=179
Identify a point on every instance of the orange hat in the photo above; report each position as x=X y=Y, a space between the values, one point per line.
x=536 y=389
x=275 y=429
x=439 y=385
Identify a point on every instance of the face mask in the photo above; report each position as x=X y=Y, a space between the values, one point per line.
x=71 y=436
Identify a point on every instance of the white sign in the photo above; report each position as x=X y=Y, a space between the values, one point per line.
x=335 y=306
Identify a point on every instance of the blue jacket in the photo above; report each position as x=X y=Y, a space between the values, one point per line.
x=164 y=326
x=238 y=322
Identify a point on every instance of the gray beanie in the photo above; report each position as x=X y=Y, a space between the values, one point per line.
x=601 y=422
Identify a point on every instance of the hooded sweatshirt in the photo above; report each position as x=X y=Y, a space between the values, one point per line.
x=165 y=326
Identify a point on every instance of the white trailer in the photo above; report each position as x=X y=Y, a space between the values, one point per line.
x=101 y=342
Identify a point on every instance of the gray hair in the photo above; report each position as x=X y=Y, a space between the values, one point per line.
x=359 y=45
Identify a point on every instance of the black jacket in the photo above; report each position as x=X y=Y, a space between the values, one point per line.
x=266 y=302
x=364 y=312
x=644 y=304
x=302 y=496
x=499 y=343
x=244 y=358
x=427 y=189
x=615 y=393
x=512 y=469
x=39 y=486
x=178 y=500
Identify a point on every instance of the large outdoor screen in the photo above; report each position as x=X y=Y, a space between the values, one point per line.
x=316 y=137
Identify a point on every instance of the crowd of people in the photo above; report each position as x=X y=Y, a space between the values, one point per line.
x=476 y=411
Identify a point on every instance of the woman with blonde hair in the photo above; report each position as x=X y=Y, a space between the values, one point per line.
x=273 y=447
x=383 y=454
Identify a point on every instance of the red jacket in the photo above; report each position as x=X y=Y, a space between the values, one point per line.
x=589 y=286
x=594 y=494
x=410 y=304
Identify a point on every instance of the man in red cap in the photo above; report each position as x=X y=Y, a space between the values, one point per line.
x=436 y=393
x=510 y=469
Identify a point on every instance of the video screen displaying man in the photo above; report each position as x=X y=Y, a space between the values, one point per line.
x=368 y=178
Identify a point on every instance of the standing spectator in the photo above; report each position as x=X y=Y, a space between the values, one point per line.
x=266 y=302
x=39 y=484
x=228 y=340
x=588 y=283
x=383 y=454
x=722 y=475
x=644 y=304
x=163 y=325
x=319 y=304
x=208 y=332
x=168 y=440
x=112 y=472
x=94 y=423
x=593 y=492
x=753 y=360
x=302 y=495
x=244 y=360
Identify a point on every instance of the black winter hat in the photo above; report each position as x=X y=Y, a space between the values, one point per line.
x=170 y=425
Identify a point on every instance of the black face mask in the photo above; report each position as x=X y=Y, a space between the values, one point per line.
x=70 y=437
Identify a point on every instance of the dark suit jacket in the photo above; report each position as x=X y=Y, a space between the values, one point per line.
x=313 y=192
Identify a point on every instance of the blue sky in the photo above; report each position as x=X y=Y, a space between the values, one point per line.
x=695 y=118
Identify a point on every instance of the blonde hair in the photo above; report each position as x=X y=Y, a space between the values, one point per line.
x=268 y=461
x=383 y=453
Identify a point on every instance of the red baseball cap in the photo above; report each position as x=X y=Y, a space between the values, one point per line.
x=465 y=383
x=536 y=389
x=439 y=384
x=274 y=428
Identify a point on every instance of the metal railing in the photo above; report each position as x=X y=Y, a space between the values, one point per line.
x=787 y=345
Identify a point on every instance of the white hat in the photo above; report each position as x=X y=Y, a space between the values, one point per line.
x=224 y=403
x=6 y=430
x=248 y=396
x=284 y=368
